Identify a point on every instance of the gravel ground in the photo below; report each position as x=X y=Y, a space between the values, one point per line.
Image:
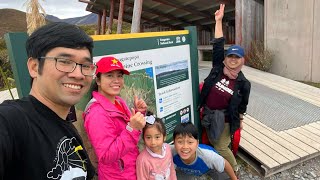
x=308 y=170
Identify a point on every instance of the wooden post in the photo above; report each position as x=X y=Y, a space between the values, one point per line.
x=99 y=24
x=104 y=19
x=136 y=17
x=109 y=31
x=120 y=17
x=200 y=55
x=201 y=41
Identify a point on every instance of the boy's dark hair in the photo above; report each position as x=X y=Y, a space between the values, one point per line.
x=186 y=129
x=158 y=123
x=58 y=34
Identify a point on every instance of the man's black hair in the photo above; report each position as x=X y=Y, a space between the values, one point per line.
x=186 y=129
x=58 y=34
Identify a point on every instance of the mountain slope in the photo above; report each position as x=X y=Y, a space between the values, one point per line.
x=83 y=20
x=12 y=20
x=52 y=18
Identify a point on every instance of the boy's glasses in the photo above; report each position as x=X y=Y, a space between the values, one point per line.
x=67 y=65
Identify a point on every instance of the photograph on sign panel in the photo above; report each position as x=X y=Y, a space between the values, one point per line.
x=168 y=74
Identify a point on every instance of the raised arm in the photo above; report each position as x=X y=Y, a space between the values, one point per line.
x=218 y=16
x=218 y=42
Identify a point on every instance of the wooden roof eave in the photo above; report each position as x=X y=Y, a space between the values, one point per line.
x=185 y=8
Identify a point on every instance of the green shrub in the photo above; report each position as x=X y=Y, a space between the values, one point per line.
x=6 y=68
x=2 y=44
x=89 y=29
x=259 y=57
x=92 y=29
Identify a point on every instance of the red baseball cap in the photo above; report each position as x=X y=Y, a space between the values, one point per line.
x=109 y=63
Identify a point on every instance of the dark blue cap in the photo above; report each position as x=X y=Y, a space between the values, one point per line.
x=236 y=50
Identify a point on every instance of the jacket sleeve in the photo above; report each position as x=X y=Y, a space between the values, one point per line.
x=245 y=98
x=102 y=133
x=141 y=168
x=11 y=134
x=6 y=149
x=218 y=51
x=216 y=161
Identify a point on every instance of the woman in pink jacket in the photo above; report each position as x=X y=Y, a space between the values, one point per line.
x=112 y=129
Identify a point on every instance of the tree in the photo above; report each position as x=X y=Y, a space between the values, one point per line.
x=35 y=15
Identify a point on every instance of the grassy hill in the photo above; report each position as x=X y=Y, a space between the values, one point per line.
x=12 y=20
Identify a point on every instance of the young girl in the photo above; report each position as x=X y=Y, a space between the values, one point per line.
x=112 y=129
x=155 y=161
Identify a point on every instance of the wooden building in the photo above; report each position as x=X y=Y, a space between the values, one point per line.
x=288 y=28
x=164 y=15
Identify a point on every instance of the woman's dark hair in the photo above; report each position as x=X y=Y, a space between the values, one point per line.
x=158 y=123
x=186 y=129
x=95 y=85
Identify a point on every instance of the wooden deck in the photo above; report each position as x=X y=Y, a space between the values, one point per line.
x=270 y=151
x=274 y=151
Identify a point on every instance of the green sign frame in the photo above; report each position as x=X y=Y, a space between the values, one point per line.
x=122 y=46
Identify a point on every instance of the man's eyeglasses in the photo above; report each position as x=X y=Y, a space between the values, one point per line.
x=67 y=65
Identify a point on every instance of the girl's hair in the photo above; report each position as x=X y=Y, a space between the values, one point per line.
x=158 y=123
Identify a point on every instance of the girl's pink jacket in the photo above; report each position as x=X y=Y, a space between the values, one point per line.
x=116 y=147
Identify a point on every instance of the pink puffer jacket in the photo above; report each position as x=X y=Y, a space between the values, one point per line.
x=115 y=146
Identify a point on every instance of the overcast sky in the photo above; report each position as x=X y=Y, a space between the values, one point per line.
x=59 y=8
